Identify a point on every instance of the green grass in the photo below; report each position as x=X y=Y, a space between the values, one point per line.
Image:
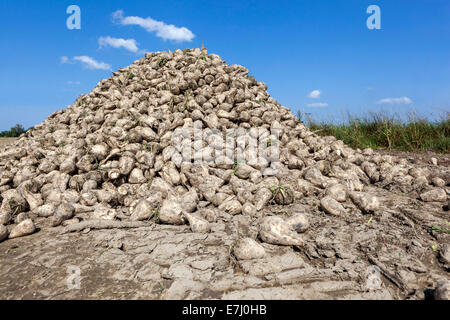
x=162 y=61
x=378 y=130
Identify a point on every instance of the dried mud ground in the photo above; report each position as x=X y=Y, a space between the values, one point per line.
x=5 y=141
x=343 y=257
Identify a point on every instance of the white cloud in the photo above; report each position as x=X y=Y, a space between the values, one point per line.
x=64 y=60
x=73 y=82
x=163 y=30
x=401 y=100
x=315 y=94
x=92 y=64
x=318 y=105
x=128 y=44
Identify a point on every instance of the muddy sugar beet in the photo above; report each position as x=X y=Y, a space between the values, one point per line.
x=119 y=153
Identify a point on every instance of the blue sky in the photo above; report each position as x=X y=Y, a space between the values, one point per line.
x=299 y=48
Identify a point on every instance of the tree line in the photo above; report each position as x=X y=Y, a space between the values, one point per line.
x=14 y=132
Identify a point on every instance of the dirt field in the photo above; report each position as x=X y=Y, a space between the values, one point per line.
x=5 y=141
x=392 y=255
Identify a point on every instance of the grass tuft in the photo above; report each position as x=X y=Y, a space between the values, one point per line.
x=379 y=130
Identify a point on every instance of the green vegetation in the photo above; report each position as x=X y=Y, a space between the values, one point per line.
x=162 y=61
x=441 y=229
x=278 y=189
x=130 y=75
x=156 y=216
x=378 y=130
x=14 y=132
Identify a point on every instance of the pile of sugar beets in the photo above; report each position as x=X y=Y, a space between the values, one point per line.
x=114 y=156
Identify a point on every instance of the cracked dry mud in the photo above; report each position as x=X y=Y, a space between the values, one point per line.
x=99 y=188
